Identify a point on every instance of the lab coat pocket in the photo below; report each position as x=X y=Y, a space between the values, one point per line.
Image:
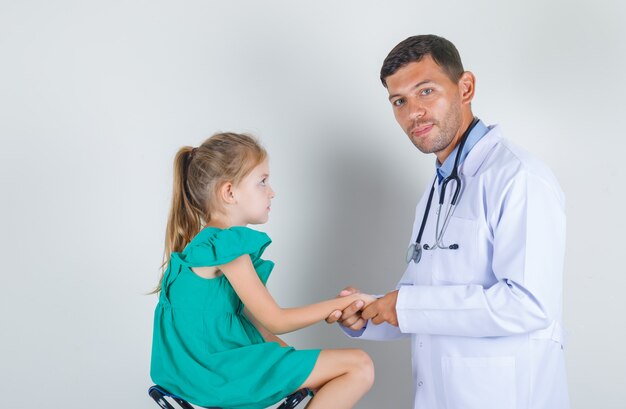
x=455 y=266
x=479 y=382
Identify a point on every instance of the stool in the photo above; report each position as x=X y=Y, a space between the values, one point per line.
x=158 y=394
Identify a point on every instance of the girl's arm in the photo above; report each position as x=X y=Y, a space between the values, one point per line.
x=267 y=335
x=246 y=283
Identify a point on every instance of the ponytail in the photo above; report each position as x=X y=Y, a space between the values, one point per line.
x=185 y=219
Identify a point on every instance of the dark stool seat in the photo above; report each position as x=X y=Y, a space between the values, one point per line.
x=159 y=394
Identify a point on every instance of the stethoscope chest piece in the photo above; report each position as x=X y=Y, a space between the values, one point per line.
x=414 y=253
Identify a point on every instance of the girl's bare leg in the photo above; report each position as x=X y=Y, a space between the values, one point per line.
x=341 y=378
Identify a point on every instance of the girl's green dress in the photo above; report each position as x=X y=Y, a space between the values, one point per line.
x=204 y=349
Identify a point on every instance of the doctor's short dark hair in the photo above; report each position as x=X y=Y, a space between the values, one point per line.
x=414 y=48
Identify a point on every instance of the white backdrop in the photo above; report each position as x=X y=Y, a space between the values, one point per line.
x=96 y=97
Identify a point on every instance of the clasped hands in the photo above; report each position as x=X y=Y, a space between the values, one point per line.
x=356 y=315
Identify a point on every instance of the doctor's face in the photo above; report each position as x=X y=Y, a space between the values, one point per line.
x=429 y=106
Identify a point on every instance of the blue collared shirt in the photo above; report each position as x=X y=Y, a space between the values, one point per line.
x=444 y=170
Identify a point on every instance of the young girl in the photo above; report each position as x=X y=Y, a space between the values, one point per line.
x=214 y=325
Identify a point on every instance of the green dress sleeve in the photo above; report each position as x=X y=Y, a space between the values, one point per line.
x=214 y=247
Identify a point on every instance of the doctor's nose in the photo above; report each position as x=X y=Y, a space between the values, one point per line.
x=416 y=110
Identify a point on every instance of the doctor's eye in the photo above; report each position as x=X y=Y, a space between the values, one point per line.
x=398 y=102
x=263 y=182
x=426 y=92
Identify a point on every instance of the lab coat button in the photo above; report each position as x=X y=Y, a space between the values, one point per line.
x=420 y=383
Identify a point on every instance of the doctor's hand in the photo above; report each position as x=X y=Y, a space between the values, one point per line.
x=350 y=317
x=382 y=310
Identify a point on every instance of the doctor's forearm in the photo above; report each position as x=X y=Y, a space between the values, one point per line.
x=468 y=310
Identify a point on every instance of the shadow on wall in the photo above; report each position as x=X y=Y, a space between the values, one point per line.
x=370 y=216
x=362 y=237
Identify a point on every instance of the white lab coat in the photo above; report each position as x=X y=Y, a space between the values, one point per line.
x=485 y=320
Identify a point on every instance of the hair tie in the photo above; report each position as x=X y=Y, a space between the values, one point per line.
x=193 y=151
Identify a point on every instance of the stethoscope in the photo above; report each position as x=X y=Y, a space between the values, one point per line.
x=415 y=250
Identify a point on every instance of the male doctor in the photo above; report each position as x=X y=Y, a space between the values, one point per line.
x=481 y=296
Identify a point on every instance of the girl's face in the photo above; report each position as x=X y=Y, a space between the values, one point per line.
x=253 y=196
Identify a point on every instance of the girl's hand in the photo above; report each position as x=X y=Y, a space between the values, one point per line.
x=366 y=298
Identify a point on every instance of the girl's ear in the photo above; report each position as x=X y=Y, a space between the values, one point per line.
x=227 y=193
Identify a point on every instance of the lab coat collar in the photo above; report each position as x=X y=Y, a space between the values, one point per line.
x=480 y=151
x=444 y=170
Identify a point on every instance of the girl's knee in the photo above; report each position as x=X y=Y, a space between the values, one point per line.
x=363 y=367
x=356 y=364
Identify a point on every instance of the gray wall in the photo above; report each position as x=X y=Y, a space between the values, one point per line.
x=95 y=98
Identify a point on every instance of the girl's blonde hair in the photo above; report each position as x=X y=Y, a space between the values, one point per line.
x=198 y=175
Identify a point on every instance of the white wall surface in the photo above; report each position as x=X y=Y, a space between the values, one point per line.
x=96 y=97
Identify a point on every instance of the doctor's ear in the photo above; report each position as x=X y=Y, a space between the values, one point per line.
x=227 y=193
x=467 y=84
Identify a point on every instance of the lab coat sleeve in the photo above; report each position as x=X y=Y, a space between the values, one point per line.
x=382 y=332
x=527 y=224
